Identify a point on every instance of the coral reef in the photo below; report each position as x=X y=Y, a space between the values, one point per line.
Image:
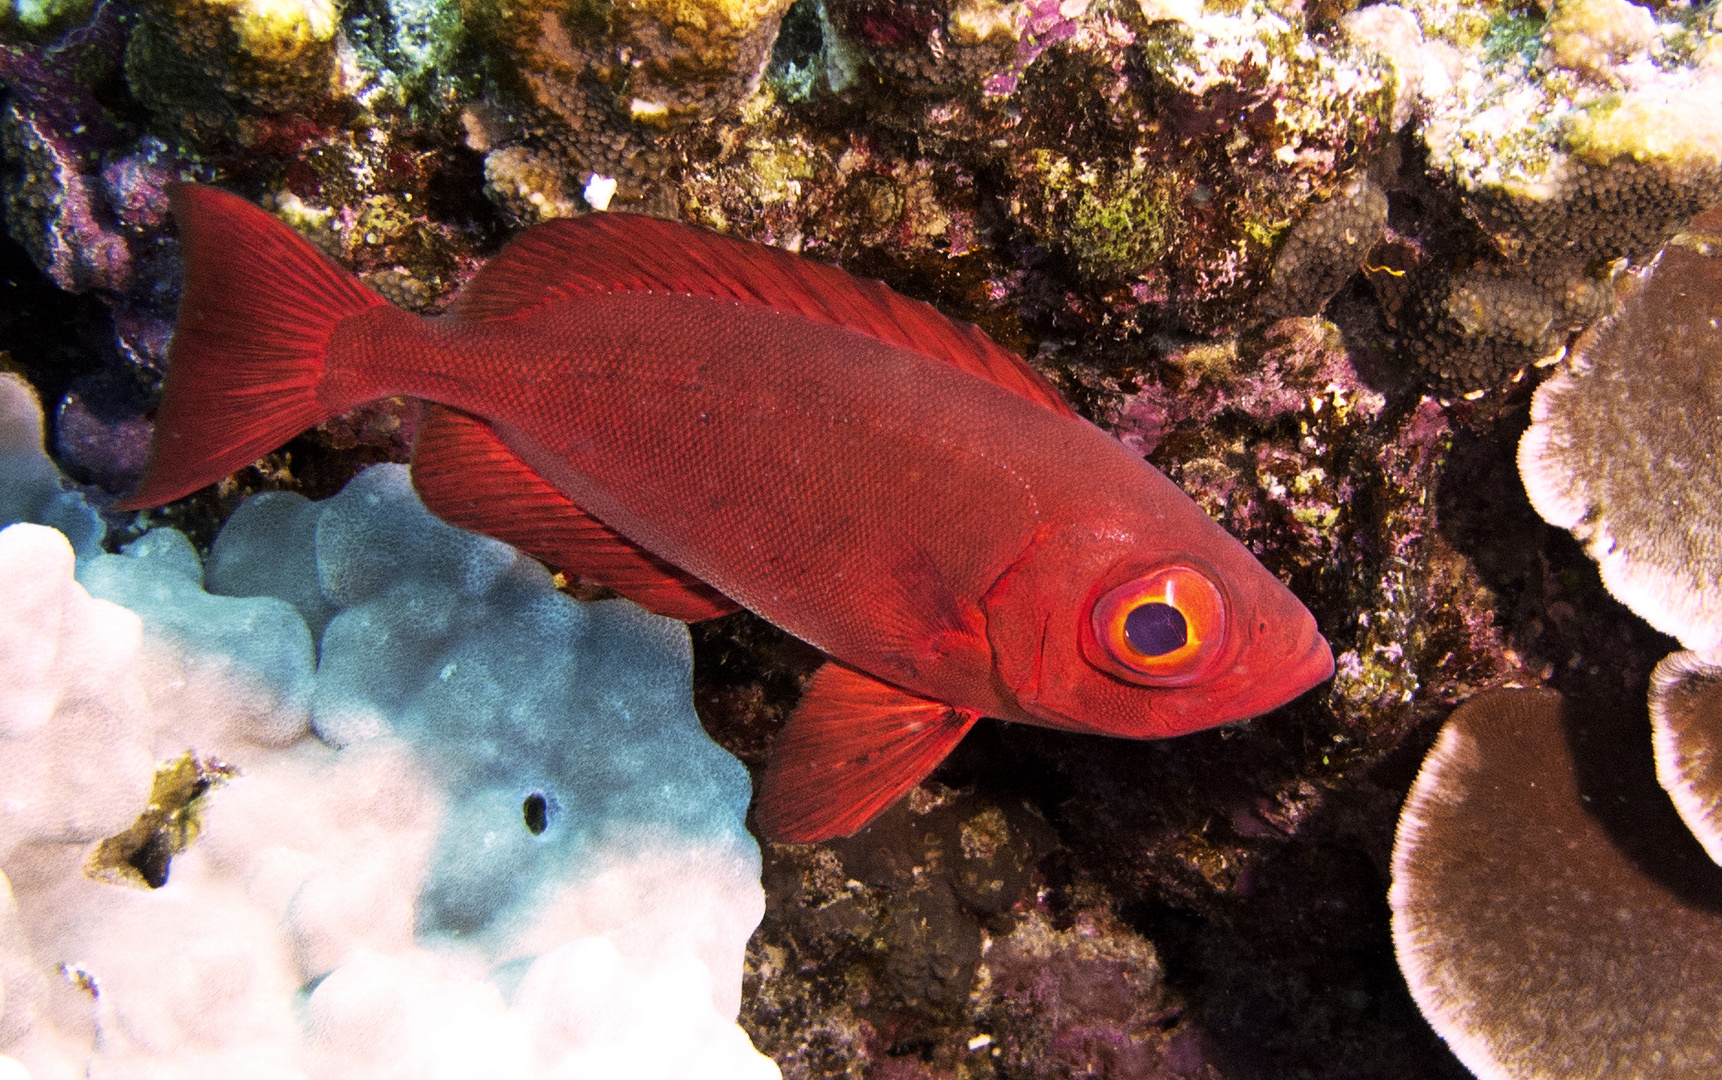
x=1306 y=258
x=1589 y=138
x=524 y=859
x=1225 y=133
x=1519 y=780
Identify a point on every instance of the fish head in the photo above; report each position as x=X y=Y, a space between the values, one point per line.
x=1156 y=627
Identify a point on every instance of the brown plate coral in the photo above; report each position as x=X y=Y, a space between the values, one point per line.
x=1535 y=941
x=1622 y=445
x=1686 y=720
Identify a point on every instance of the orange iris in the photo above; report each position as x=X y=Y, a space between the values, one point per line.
x=1165 y=627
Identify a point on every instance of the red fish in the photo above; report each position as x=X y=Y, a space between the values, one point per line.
x=705 y=424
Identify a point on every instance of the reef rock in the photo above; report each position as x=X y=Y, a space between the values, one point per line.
x=1573 y=141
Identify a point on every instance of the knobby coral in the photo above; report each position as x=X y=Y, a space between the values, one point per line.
x=524 y=858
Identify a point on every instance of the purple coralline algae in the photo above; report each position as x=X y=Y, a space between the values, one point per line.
x=1311 y=260
x=52 y=126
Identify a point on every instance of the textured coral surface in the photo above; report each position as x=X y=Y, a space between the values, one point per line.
x=383 y=799
x=1306 y=258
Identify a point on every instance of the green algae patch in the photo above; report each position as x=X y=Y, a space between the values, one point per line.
x=1118 y=227
x=1513 y=35
x=1114 y=222
x=41 y=19
x=1267 y=234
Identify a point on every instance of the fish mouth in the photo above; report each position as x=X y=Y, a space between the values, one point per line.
x=1307 y=664
x=1315 y=665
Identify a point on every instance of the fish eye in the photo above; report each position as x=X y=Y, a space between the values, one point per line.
x=1164 y=628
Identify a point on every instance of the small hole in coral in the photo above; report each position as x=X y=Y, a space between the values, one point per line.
x=536 y=811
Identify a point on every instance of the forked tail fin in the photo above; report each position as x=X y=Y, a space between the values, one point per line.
x=250 y=345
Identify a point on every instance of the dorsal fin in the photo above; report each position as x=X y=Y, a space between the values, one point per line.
x=468 y=476
x=607 y=253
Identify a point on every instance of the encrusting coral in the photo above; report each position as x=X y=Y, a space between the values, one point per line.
x=510 y=883
x=1327 y=247
x=610 y=82
x=204 y=60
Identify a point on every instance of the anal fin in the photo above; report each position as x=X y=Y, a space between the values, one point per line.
x=853 y=746
x=468 y=477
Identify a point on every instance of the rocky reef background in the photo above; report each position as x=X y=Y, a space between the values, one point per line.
x=1309 y=258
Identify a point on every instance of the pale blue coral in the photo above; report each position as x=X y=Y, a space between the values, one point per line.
x=559 y=743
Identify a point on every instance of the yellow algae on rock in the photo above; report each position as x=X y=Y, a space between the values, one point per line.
x=1682 y=129
x=528 y=185
x=279 y=31
x=972 y=22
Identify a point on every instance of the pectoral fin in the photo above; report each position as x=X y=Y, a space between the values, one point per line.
x=853 y=746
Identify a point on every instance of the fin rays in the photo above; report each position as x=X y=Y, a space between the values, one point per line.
x=852 y=747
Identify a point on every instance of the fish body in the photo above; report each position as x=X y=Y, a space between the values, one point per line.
x=707 y=424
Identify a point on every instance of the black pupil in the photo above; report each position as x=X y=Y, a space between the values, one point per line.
x=1156 y=629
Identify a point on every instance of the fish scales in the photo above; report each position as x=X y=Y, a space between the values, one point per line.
x=703 y=423
x=873 y=451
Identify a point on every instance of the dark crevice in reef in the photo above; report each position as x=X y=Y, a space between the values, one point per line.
x=53 y=338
